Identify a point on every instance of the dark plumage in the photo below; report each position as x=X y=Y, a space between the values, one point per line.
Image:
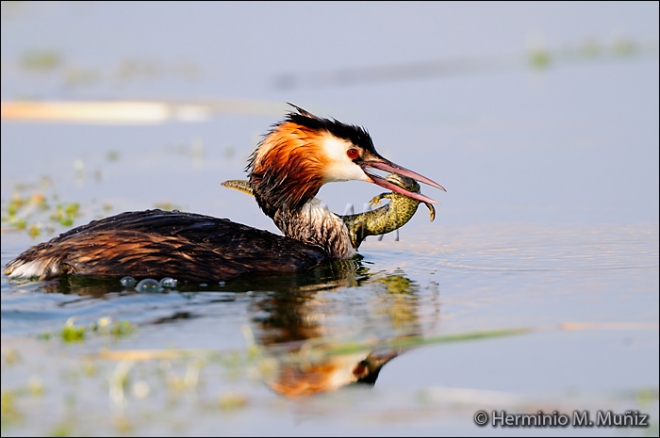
x=156 y=244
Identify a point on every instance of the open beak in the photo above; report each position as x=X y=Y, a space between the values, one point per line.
x=387 y=166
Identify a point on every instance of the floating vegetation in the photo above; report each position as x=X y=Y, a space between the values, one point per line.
x=112 y=156
x=34 y=208
x=72 y=333
x=79 y=76
x=63 y=429
x=34 y=230
x=537 y=57
x=35 y=387
x=117 y=329
x=48 y=60
x=623 y=46
x=45 y=336
x=138 y=69
x=105 y=326
x=139 y=382
x=232 y=400
x=64 y=214
x=10 y=413
x=40 y=60
x=11 y=356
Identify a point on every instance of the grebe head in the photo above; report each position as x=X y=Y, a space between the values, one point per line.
x=304 y=151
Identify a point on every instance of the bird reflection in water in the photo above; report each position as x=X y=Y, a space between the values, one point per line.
x=322 y=339
x=320 y=330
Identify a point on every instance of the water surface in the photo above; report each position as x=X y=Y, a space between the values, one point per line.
x=536 y=288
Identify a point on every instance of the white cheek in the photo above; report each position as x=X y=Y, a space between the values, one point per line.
x=345 y=172
x=340 y=167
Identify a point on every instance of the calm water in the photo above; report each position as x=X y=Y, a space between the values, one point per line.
x=536 y=288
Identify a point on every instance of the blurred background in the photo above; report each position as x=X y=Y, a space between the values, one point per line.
x=524 y=112
x=540 y=119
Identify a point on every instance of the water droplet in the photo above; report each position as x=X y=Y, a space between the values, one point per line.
x=168 y=282
x=128 y=281
x=148 y=285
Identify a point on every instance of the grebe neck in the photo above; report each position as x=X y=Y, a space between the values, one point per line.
x=315 y=224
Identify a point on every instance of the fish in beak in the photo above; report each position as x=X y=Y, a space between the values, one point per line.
x=385 y=165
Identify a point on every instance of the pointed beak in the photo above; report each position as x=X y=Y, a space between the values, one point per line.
x=387 y=166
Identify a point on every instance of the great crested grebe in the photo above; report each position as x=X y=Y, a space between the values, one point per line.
x=287 y=169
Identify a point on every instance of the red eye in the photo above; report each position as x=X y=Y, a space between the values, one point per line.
x=359 y=369
x=352 y=154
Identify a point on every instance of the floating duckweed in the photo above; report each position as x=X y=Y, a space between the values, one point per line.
x=10 y=413
x=62 y=429
x=25 y=209
x=79 y=76
x=539 y=58
x=71 y=333
x=148 y=285
x=128 y=281
x=646 y=396
x=168 y=282
x=11 y=357
x=41 y=60
x=89 y=368
x=34 y=230
x=232 y=401
x=122 y=328
x=65 y=213
x=15 y=203
x=112 y=156
x=123 y=426
x=35 y=387
x=104 y=327
x=45 y=336
x=21 y=224
x=622 y=46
